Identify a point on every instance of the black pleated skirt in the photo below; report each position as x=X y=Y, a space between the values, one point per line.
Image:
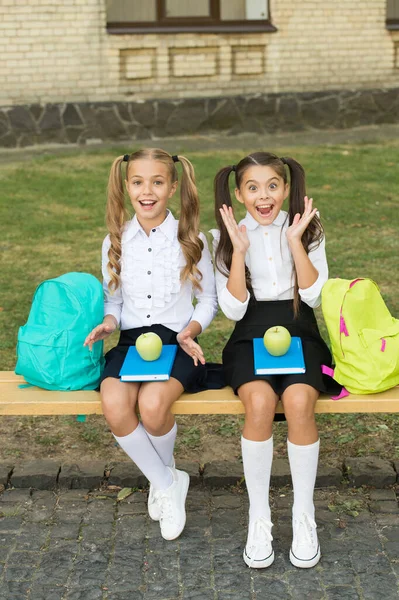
x=238 y=360
x=193 y=378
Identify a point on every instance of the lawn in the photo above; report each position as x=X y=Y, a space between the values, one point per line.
x=52 y=222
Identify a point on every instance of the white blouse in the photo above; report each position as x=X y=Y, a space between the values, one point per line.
x=270 y=262
x=151 y=291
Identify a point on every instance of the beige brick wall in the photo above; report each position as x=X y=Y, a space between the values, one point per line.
x=60 y=51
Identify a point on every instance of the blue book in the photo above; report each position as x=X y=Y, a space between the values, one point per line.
x=291 y=362
x=135 y=368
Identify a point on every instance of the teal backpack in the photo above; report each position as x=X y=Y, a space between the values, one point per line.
x=50 y=351
x=364 y=335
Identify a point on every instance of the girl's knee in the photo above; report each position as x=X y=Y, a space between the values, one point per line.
x=118 y=404
x=298 y=410
x=259 y=408
x=153 y=412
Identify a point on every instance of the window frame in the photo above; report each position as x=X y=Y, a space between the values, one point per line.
x=211 y=24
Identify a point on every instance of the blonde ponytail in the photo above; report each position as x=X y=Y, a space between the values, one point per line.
x=116 y=217
x=188 y=231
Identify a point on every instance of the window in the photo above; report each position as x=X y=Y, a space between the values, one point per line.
x=163 y=16
x=393 y=14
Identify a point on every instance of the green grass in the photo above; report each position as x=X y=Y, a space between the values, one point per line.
x=52 y=222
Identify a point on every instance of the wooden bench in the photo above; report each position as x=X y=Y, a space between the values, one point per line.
x=17 y=400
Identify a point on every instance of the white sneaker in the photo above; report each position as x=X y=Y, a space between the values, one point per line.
x=172 y=502
x=258 y=553
x=305 y=549
x=154 y=507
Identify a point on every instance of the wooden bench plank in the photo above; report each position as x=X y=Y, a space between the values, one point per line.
x=15 y=400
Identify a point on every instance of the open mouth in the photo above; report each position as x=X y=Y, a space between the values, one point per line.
x=147 y=204
x=265 y=210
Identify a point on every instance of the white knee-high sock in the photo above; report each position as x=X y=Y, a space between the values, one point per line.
x=303 y=463
x=257 y=458
x=164 y=445
x=139 y=448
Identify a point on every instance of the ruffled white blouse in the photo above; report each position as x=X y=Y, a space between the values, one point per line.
x=151 y=291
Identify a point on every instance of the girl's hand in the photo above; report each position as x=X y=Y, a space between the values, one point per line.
x=191 y=347
x=238 y=235
x=296 y=230
x=99 y=333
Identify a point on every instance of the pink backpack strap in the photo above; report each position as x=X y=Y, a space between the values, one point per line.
x=330 y=372
x=355 y=281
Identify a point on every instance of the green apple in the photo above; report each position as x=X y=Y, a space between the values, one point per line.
x=149 y=346
x=277 y=340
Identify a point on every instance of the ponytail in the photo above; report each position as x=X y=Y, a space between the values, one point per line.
x=188 y=230
x=116 y=217
x=224 y=250
x=314 y=233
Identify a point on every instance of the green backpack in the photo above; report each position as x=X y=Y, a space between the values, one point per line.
x=364 y=336
x=50 y=347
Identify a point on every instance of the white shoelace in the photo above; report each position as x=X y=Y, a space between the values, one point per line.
x=261 y=536
x=166 y=507
x=304 y=527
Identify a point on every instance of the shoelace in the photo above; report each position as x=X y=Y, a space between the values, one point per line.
x=166 y=506
x=306 y=524
x=262 y=534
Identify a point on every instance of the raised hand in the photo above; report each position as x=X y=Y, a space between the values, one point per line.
x=300 y=222
x=99 y=333
x=191 y=347
x=238 y=235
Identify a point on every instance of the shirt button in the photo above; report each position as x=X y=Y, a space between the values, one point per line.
x=148 y=316
x=149 y=296
x=153 y=230
x=149 y=249
x=148 y=272
x=270 y=258
x=266 y=233
x=274 y=283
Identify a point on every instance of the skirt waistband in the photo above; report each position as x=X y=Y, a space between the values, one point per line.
x=260 y=316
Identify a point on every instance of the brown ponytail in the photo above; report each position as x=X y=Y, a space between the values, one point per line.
x=314 y=233
x=224 y=251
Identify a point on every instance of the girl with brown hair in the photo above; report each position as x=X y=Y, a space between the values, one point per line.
x=153 y=266
x=270 y=271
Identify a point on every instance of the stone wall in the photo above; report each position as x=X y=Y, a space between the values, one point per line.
x=82 y=123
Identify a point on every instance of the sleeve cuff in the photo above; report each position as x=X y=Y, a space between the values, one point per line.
x=115 y=311
x=312 y=295
x=233 y=309
x=204 y=315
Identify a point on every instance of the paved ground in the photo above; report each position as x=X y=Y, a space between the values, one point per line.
x=74 y=545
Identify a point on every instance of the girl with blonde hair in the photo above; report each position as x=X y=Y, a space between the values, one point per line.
x=153 y=267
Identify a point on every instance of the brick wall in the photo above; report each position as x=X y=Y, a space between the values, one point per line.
x=60 y=52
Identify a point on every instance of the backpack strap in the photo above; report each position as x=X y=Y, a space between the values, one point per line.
x=342 y=325
x=330 y=372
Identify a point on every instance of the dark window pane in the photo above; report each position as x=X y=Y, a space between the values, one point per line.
x=129 y=11
x=393 y=9
x=236 y=10
x=187 y=8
